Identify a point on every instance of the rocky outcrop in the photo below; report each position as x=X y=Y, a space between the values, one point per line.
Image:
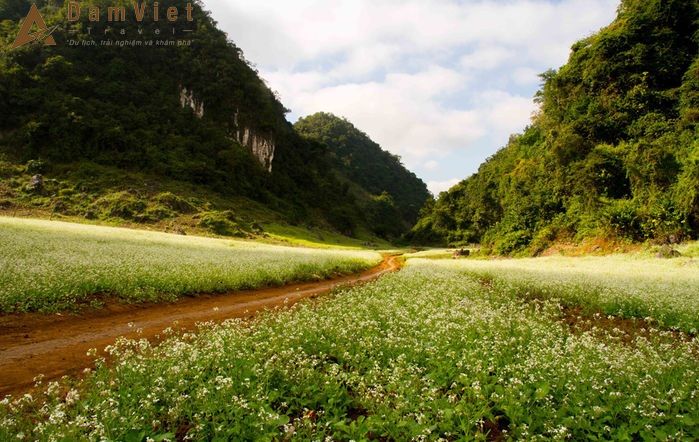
x=36 y=184
x=187 y=99
x=262 y=146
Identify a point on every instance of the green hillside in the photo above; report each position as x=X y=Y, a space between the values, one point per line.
x=613 y=152
x=390 y=195
x=195 y=122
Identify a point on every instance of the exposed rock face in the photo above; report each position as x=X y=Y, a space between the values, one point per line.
x=36 y=184
x=261 y=146
x=187 y=99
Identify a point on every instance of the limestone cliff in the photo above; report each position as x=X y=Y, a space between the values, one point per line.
x=260 y=145
x=187 y=99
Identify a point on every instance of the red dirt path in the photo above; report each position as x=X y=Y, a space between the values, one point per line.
x=56 y=345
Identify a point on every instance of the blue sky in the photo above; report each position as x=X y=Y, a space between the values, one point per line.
x=443 y=83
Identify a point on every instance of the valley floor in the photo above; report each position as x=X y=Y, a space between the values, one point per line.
x=54 y=346
x=540 y=349
x=51 y=266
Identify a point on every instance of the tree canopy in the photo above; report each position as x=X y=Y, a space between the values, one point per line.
x=612 y=152
x=395 y=195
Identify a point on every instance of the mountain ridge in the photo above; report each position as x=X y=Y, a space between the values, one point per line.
x=196 y=113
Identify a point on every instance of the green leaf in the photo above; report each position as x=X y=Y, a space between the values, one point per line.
x=542 y=391
x=134 y=436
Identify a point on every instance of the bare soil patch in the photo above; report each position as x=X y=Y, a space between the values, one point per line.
x=56 y=345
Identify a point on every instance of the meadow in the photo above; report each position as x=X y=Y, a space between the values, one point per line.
x=663 y=291
x=433 y=352
x=52 y=266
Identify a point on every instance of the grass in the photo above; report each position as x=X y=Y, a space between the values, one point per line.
x=432 y=254
x=319 y=238
x=86 y=192
x=51 y=266
x=690 y=249
x=429 y=353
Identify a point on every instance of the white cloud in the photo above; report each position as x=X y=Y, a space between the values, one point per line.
x=280 y=33
x=504 y=112
x=402 y=112
x=436 y=187
x=431 y=165
x=486 y=58
x=365 y=60
x=424 y=79
x=525 y=76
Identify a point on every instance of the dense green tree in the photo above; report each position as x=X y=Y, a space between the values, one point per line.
x=376 y=177
x=613 y=151
x=13 y=9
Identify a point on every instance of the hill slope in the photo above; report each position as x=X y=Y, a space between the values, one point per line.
x=391 y=196
x=614 y=151
x=196 y=114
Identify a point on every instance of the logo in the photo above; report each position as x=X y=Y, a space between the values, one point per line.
x=25 y=35
x=109 y=26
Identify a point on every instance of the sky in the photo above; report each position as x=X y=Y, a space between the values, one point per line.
x=442 y=83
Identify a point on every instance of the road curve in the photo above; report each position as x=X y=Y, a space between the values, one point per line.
x=57 y=345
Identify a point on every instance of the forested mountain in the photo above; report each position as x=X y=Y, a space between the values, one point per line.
x=391 y=196
x=195 y=113
x=613 y=152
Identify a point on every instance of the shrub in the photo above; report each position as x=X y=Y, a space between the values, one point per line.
x=542 y=240
x=662 y=222
x=221 y=223
x=512 y=241
x=35 y=166
x=119 y=205
x=156 y=212
x=621 y=219
x=174 y=202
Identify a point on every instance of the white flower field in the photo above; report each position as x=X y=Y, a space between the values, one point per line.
x=442 y=350
x=51 y=266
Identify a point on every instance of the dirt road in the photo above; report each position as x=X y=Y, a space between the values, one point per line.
x=56 y=345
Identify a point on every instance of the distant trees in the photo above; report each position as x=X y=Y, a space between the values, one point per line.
x=13 y=9
x=390 y=195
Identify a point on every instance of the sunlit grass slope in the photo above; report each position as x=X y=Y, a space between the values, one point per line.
x=690 y=249
x=429 y=353
x=50 y=266
x=318 y=238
